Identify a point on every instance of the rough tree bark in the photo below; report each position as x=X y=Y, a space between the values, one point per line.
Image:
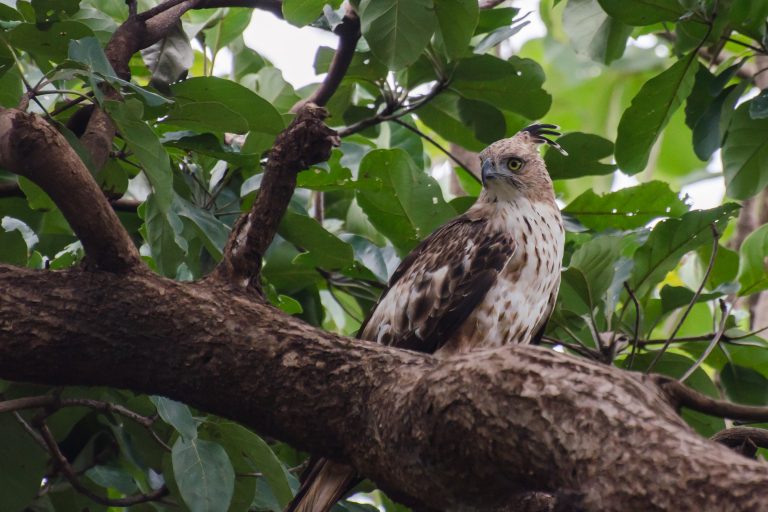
x=475 y=432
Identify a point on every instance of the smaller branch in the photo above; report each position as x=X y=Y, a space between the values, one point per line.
x=437 y=145
x=636 y=332
x=744 y=440
x=60 y=460
x=349 y=34
x=715 y=246
x=305 y=142
x=393 y=112
x=131 y=7
x=681 y=395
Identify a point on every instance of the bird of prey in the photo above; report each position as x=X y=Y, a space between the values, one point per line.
x=484 y=279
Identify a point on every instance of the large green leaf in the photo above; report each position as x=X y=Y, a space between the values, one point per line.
x=443 y=116
x=213 y=232
x=146 y=147
x=744 y=385
x=162 y=231
x=643 y=12
x=169 y=58
x=177 y=415
x=204 y=474
x=236 y=438
x=492 y=80
x=745 y=155
x=456 y=20
x=651 y=109
x=400 y=200
x=323 y=248
x=13 y=248
x=627 y=208
x=590 y=273
x=753 y=272
x=397 y=30
x=593 y=33
x=47 y=41
x=202 y=100
x=585 y=152
x=22 y=465
x=227 y=29
x=671 y=239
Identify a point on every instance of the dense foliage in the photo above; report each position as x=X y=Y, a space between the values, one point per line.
x=662 y=90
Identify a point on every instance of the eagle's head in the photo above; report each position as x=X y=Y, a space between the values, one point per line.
x=513 y=167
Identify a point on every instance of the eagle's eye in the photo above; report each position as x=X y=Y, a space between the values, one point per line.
x=514 y=164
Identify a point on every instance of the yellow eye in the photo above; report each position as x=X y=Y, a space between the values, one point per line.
x=514 y=164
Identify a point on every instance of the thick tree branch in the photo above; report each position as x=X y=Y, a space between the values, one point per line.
x=305 y=142
x=469 y=431
x=28 y=145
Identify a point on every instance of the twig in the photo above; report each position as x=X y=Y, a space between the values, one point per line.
x=636 y=332
x=60 y=460
x=715 y=246
x=712 y=344
x=706 y=337
x=682 y=396
x=579 y=349
x=436 y=144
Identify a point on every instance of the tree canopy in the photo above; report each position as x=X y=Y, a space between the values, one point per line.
x=185 y=254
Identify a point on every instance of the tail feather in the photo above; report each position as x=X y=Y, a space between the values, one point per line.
x=326 y=483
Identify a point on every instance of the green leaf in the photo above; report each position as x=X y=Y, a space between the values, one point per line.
x=753 y=272
x=650 y=111
x=397 y=30
x=593 y=33
x=199 y=98
x=744 y=385
x=490 y=79
x=204 y=474
x=112 y=478
x=745 y=155
x=227 y=29
x=585 y=150
x=456 y=20
x=146 y=147
x=671 y=239
x=708 y=131
x=88 y=51
x=177 y=415
x=758 y=107
x=13 y=247
x=628 y=208
x=303 y=12
x=442 y=115
x=239 y=439
x=643 y=12
x=169 y=58
x=162 y=231
x=590 y=273
x=47 y=40
x=212 y=231
x=673 y=297
x=22 y=465
x=324 y=249
x=403 y=202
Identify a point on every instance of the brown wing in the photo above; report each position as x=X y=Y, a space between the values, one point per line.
x=438 y=285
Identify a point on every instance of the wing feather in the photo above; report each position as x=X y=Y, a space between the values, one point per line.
x=438 y=285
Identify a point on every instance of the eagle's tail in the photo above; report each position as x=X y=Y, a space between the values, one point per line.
x=325 y=483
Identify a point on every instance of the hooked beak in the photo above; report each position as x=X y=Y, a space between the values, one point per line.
x=487 y=171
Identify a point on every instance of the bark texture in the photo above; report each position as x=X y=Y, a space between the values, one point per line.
x=470 y=432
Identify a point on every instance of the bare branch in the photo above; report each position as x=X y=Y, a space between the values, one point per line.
x=305 y=142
